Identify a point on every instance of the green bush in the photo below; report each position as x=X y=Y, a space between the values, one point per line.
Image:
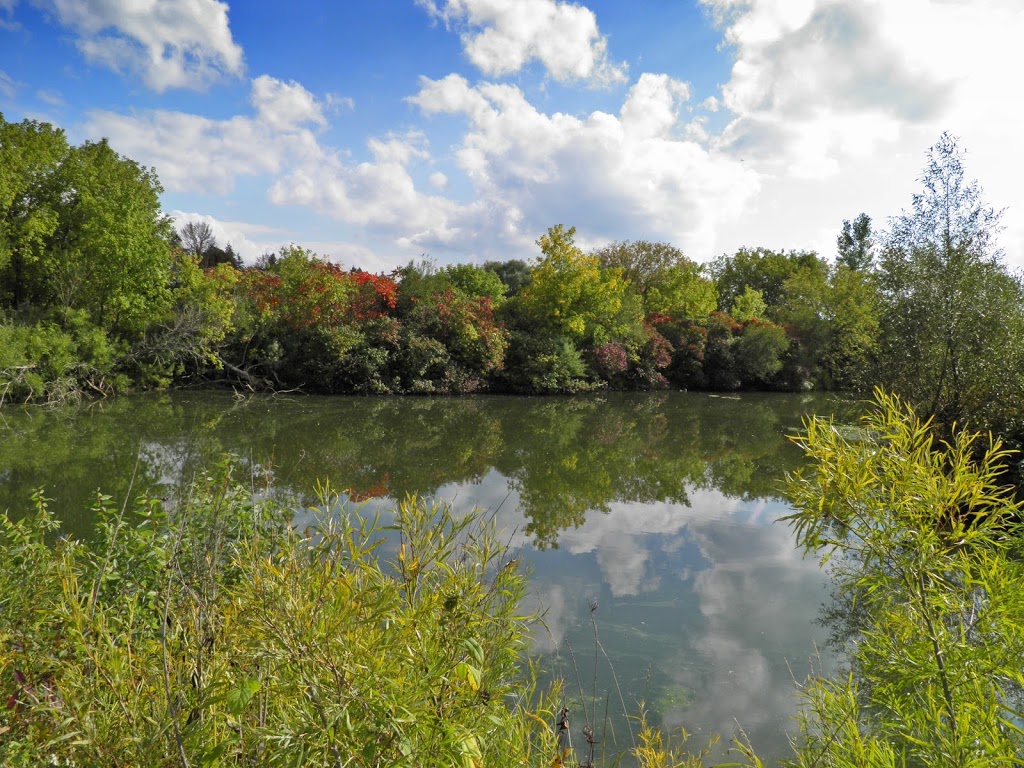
x=216 y=634
x=47 y=361
x=925 y=548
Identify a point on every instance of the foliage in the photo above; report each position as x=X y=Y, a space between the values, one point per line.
x=925 y=552
x=514 y=274
x=834 y=321
x=721 y=371
x=544 y=365
x=762 y=270
x=217 y=634
x=683 y=292
x=476 y=282
x=30 y=153
x=952 y=324
x=855 y=244
x=651 y=359
x=749 y=305
x=572 y=296
x=50 y=363
x=759 y=352
x=451 y=343
x=667 y=281
x=110 y=254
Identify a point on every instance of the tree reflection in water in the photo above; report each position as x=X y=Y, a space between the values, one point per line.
x=659 y=506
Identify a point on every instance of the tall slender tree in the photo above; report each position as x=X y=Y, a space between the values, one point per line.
x=952 y=331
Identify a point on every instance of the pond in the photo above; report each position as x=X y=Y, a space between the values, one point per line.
x=659 y=509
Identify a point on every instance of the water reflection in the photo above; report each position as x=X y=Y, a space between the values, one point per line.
x=660 y=507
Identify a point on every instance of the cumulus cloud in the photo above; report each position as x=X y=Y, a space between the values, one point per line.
x=284 y=106
x=168 y=43
x=827 y=97
x=634 y=174
x=199 y=154
x=191 y=153
x=379 y=194
x=817 y=80
x=501 y=36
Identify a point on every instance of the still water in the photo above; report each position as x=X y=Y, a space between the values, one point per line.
x=659 y=508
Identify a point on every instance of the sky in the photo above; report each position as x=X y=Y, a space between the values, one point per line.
x=376 y=132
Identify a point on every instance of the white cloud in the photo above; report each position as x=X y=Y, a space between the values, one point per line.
x=284 y=106
x=199 y=154
x=250 y=241
x=7 y=85
x=835 y=102
x=627 y=176
x=501 y=36
x=379 y=194
x=191 y=153
x=168 y=43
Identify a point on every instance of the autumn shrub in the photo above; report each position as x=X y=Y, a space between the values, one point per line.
x=651 y=359
x=609 y=360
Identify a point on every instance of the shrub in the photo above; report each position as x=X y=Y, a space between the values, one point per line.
x=215 y=633
x=925 y=552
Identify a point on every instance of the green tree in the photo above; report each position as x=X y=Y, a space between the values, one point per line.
x=855 y=316
x=110 y=253
x=571 y=295
x=761 y=269
x=514 y=273
x=30 y=154
x=749 y=305
x=834 y=318
x=475 y=282
x=684 y=293
x=759 y=353
x=667 y=281
x=855 y=244
x=952 y=328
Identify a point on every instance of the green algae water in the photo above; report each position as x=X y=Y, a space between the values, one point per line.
x=648 y=519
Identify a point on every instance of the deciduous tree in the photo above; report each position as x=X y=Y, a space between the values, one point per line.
x=571 y=295
x=30 y=154
x=952 y=334
x=110 y=253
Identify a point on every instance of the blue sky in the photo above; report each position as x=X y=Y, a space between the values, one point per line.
x=380 y=131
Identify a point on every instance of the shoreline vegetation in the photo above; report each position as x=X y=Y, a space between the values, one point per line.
x=99 y=294
x=211 y=632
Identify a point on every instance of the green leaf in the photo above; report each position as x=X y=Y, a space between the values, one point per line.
x=237 y=699
x=476 y=652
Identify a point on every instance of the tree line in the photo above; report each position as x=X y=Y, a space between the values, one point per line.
x=98 y=292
